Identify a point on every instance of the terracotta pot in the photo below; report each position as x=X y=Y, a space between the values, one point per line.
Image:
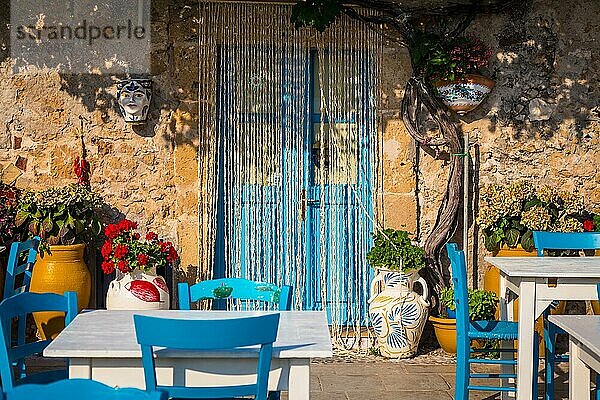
x=60 y=270
x=138 y=291
x=445 y=332
x=464 y=94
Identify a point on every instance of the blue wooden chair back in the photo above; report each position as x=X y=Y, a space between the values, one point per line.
x=213 y=335
x=19 y=306
x=14 y=269
x=235 y=288
x=565 y=241
x=461 y=296
x=77 y=389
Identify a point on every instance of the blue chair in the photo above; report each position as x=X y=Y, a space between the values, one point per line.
x=560 y=241
x=19 y=306
x=235 y=288
x=212 y=335
x=14 y=269
x=469 y=330
x=77 y=389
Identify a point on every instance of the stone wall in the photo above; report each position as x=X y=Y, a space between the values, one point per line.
x=148 y=173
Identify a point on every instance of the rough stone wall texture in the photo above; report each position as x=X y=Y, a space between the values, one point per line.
x=148 y=173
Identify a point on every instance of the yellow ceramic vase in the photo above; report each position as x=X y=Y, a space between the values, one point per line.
x=60 y=270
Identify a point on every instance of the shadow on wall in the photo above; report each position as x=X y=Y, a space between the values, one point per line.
x=545 y=76
x=98 y=92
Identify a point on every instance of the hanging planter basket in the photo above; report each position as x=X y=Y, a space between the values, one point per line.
x=464 y=94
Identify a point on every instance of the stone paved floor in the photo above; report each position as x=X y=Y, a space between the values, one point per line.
x=427 y=377
x=395 y=380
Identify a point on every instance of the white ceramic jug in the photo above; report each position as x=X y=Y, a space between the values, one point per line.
x=138 y=291
x=398 y=314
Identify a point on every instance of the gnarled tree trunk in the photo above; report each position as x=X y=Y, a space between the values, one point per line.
x=421 y=106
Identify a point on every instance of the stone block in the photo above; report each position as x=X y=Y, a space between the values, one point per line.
x=183 y=26
x=397 y=395
x=415 y=382
x=186 y=71
x=400 y=211
x=187 y=238
x=350 y=383
x=395 y=73
x=10 y=174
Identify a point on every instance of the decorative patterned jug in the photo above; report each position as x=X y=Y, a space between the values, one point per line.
x=398 y=314
x=138 y=291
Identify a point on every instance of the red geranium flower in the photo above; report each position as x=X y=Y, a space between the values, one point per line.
x=142 y=259
x=151 y=236
x=111 y=231
x=106 y=249
x=120 y=251
x=172 y=255
x=588 y=225
x=127 y=225
x=108 y=267
x=123 y=266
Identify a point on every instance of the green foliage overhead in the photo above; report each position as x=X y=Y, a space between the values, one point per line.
x=394 y=250
x=318 y=14
x=482 y=303
x=60 y=216
x=437 y=58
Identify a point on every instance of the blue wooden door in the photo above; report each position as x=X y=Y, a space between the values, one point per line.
x=295 y=188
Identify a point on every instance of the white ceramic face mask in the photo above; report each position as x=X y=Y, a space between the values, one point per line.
x=134 y=98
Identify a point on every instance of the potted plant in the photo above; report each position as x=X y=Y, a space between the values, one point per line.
x=8 y=231
x=137 y=287
x=65 y=218
x=482 y=306
x=453 y=66
x=509 y=213
x=398 y=314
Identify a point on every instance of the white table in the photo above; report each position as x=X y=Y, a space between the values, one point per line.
x=584 y=350
x=538 y=281
x=101 y=345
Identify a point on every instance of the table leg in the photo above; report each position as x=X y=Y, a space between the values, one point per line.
x=80 y=368
x=299 y=379
x=526 y=367
x=579 y=373
x=504 y=316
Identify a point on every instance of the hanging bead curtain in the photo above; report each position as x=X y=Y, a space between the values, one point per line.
x=288 y=138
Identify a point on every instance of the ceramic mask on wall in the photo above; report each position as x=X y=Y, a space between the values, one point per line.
x=134 y=97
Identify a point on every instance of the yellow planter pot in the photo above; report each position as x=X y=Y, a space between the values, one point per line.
x=445 y=332
x=58 y=271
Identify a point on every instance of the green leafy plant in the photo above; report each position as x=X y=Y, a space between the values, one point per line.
x=438 y=58
x=318 y=14
x=509 y=213
x=394 y=250
x=482 y=303
x=60 y=216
